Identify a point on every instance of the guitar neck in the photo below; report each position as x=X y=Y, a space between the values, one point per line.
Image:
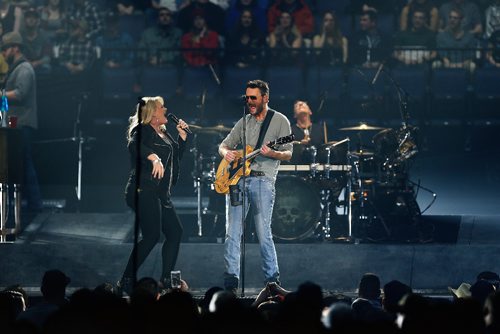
x=257 y=151
x=253 y=154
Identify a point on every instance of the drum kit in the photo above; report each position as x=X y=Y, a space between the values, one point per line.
x=326 y=192
x=331 y=193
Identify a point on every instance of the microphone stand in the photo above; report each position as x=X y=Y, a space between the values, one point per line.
x=243 y=203
x=197 y=174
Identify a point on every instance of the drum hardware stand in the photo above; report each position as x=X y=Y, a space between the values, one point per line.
x=198 y=178
x=327 y=198
x=4 y=211
x=349 y=190
x=80 y=139
x=361 y=192
x=327 y=194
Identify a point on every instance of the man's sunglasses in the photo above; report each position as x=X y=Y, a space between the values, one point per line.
x=251 y=97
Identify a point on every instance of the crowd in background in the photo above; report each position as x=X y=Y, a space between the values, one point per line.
x=69 y=36
x=392 y=307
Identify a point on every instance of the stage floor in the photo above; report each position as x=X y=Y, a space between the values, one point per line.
x=92 y=248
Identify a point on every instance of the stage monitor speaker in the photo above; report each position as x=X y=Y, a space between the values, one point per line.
x=391 y=215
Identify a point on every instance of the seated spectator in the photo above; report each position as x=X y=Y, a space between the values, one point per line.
x=493 y=53
x=213 y=14
x=172 y=5
x=459 y=41
x=224 y=4
x=426 y=6
x=284 y=38
x=77 y=54
x=471 y=16
x=244 y=42
x=200 y=37
x=114 y=44
x=235 y=11
x=124 y=7
x=11 y=16
x=298 y=9
x=332 y=45
x=154 y=6
x=161 y=41
x=38 y=46
x=418 y=43
x=492 y=18
x=23 y=4
x=369 y=47
x=53 y=288
x=89 y=12
x=53 y=20
x=358 y=7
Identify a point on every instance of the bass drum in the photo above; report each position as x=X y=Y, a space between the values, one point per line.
x=297 y=209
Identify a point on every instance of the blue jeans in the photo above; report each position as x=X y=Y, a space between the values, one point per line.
x=260 y=196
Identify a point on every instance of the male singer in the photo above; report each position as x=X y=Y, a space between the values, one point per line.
x=259 y=186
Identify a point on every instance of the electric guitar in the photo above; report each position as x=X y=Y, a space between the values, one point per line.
x=229 y=173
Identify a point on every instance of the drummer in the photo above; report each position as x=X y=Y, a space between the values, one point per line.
x=304 y=130
x=308 y=135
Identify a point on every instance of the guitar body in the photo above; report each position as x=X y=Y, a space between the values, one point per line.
x=229 y=173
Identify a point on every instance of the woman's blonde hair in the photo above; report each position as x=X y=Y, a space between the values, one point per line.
x=146 y=108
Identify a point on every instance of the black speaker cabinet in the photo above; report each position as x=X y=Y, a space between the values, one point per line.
x=11 y=156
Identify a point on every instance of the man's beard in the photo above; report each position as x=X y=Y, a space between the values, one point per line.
x=9 y=59
x=259 y=109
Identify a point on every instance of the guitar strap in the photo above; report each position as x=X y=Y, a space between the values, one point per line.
x=264 y=128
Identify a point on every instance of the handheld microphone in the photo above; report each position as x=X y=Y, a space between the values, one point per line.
x=174 y=119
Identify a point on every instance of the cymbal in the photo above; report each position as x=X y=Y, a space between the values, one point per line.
x=362 y=127
x=210 y=129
